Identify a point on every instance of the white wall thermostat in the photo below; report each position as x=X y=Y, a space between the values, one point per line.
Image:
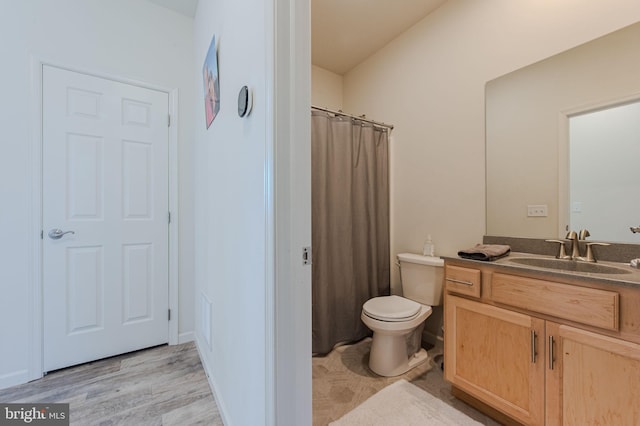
x=245 y=101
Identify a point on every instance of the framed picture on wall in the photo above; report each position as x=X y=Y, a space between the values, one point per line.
x=211 y=84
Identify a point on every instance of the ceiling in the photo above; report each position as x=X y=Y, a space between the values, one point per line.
x=346 y=32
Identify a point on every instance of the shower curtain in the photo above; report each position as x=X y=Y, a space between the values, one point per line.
x=350 y=225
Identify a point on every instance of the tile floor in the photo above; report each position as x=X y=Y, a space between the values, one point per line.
x=342 y=380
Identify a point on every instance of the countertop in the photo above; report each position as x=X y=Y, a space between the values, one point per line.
x=506 y=265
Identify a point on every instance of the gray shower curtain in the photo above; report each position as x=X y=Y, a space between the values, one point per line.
x=350 y=225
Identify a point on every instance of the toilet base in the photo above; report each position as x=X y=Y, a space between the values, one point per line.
x=388 y=355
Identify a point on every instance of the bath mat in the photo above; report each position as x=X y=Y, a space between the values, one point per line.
x=404 y=404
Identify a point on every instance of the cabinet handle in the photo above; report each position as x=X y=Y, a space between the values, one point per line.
x=534 y=350
x=551 y=354
x=469 y=283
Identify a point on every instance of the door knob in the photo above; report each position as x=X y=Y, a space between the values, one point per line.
x=56 y=233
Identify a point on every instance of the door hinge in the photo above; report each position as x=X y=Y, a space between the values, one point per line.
x=41 y=234
x=306 y=255
x=169 y=314
x=169 y=120
x=168 y=217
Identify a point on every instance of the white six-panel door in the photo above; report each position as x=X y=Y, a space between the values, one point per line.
x=105 y=182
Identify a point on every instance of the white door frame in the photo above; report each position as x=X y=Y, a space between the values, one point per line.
x=35 y=278
x=288 y=304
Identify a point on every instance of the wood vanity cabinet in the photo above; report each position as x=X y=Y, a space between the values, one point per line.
x=595 y=379
x=542 y=352
x=488 y=354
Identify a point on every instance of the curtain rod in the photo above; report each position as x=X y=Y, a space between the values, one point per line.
x=376 y=123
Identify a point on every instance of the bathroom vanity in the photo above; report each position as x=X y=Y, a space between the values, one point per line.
x=542 y=346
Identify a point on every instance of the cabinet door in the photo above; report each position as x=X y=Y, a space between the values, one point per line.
x=496 y=356
x=595 y=379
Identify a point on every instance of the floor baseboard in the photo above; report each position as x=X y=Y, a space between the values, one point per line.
x=212 y=384
x=14 y=378
x=189 y=336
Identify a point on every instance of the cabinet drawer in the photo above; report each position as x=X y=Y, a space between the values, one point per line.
x=462 y=280
x=599 y=308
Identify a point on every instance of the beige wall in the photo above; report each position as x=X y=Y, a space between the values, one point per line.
x=326 y=88
x=429 y=83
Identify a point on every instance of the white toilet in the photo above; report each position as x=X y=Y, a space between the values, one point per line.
x=393 y=318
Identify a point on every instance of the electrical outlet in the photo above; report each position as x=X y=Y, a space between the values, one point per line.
x=537 y=210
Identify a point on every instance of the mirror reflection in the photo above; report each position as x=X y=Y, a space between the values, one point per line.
x=529 y=116
x=604 y=150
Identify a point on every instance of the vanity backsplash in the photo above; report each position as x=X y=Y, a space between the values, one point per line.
x=616 y=252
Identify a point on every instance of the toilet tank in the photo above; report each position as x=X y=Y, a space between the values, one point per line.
x=422 y=278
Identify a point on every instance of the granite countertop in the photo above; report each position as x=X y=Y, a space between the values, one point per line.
x=631 y=277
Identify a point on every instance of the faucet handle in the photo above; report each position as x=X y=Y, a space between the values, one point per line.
x=590 y=257
x=562 y=253
x=583 y=234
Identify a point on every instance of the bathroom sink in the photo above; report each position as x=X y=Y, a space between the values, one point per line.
x=569 y=265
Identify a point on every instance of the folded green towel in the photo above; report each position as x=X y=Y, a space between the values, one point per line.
x=487 y=252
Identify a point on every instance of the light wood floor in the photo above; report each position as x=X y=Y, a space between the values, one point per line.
x=167 y=385
x=160 y=386
x=342 y=381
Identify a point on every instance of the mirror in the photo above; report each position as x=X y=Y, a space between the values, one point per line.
x=529 y=115
x=609 y=138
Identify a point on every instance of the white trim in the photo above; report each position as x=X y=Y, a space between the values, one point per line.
x=187 y=337
x=174 y=226
x=563 y=174
x=34 y=291
x=601 y=104
x=290 y=307
x=107 y=76
x=270 y=322
x=36 y=329
x=14 y=378
x=222 y=409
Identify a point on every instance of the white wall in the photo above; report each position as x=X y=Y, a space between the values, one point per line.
x=429 y=83
x=326 y=88
x=232 y=195
x=125 y=38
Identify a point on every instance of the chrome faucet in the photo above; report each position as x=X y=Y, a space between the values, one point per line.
x=575 y=238
x=583 y=234
x=575 y=249
x=635 y=229
x=575 y=246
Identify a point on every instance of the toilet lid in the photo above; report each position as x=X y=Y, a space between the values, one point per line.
x=391 y=308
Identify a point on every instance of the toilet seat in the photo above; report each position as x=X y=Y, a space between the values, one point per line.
x=391 y=308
